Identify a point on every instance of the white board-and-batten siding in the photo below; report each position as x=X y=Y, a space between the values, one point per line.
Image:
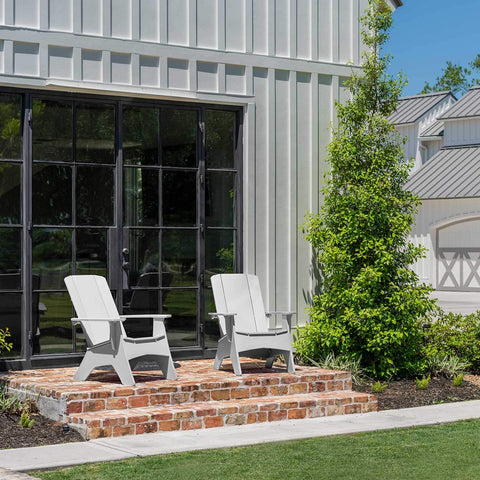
x=283 y=61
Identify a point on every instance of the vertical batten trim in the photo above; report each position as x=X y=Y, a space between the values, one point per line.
x=106 y=66
x=335 y=98
x=314 y=29
x=292 y=34
x=248 y=26
x=221 y=78
x=77 y=63
x=270 y=186
x=192 y=70
x=335 y=30
x=9 y=12
x=314 y=164
x=355 y=31
x=163 y=65
x=249 y=80
x=271 y=28
x=292 y=195
x=221 y=40
x=135 y=27
x=43 y=61
x=249 y=189
x=107 y=18
x=8 y=57
x=44 y=15
x=77 y=16
x=163 y=21
x=192 y=23
x=135 y=68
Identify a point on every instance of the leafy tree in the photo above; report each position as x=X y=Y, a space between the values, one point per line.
x=456 y=78
x=371 y=301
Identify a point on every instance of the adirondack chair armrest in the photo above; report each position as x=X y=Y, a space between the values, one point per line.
x=229 y=321
x=158 y=322
x=115 y=333
x=286 y=318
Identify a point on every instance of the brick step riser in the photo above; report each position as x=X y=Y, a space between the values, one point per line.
x=218 y=415
x=134 y=397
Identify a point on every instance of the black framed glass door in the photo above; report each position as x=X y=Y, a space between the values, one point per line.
x=144 y=193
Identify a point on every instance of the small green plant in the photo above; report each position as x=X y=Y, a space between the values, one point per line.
x=25 y=420
x=458 y=380
x=422 y=383
x=11 y=405
x=379 y=387
x=4 y=345
x=446 y=365
x=333 y=362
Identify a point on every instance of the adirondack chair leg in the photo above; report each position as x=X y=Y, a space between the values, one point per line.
x=223 y=351
x=289 y=361
x=89 y=362
x=124 y=373
x=167 y=367
x=269 y=361
x=234 y=357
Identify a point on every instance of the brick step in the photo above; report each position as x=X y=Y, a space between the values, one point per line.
x=208 y=414
x=117 y=397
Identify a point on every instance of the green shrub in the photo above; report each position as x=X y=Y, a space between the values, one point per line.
x=422 y=383
x=455 y=335
x=445 y=365
x=4 y=345
x=458 y=380
x=25 y=420
x=379 y=387
x=371 y=303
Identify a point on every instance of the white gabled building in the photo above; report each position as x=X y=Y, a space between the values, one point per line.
x=448 y=222
x=157 y=142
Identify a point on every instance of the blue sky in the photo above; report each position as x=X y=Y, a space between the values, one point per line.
x=427 y=33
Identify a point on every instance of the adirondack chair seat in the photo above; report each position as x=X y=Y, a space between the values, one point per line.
x=243 y=323
x=107 y=342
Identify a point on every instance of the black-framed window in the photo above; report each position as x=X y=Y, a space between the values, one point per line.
x=146 y=193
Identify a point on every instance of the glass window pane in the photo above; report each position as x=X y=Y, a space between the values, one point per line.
x=179 y=137
x=143 y=257
x=95 y=195
x=182 y=327
x=10 y=317
x=212 y=330
x=219 y=253
x=55 y=326
x=10 y=193
x=95 y=125
x=179 y=257
x=220 y=199
x=140 y=197
x=179 y=199
x=219 y=139
x=140 y=136
x=52 y=130
x=10 y=258
x=52 y=194
x=52 y=256
x=92 y=253
x=10 y=126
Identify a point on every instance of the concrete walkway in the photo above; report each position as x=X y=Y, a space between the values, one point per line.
x=118 y=448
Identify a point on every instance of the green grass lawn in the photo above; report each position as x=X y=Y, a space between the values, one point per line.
x=437 y=452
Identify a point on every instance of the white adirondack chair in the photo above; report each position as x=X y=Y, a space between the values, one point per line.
x=244 y=323
x=107 y=342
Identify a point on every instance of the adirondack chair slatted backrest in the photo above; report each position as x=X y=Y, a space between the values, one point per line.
x=240 y=294
x=92 y=298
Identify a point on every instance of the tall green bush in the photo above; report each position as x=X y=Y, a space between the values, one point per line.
x=371 y=302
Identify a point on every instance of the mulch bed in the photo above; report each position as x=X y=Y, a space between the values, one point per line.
x=398 y=394
x=406 y=394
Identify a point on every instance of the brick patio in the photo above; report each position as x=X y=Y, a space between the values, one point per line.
x=201 y=397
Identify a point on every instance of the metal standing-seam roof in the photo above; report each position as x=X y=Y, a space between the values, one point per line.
x=451 y=173
x=411 y=109
x=434 y=130
x=467 y=106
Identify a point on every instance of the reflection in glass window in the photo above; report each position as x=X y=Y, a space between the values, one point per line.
x=182 y=328
x=220 y=199
x=179 y=137
x=140 y=136
x=179 y=198
x=10 y=126
x=52 y=130
x=52 y=194
x=140 y=197
x=10 y=258
x=95 y=195
x=219 y=252
x=95 y=130
x=143 y=246
x=92 y=252
x=219 y=138
x=10 y=315
x=52 y=256
x=10 y=193
x=179 y=256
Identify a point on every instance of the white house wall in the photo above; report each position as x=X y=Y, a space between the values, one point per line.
x=282 y=60
x=462 y=132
